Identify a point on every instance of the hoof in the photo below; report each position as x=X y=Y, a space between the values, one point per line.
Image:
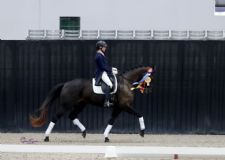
x=84 y=134
x=142 y=133
x=106 y=139
x=46 y=139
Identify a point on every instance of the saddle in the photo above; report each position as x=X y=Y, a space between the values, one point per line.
x=100 y=87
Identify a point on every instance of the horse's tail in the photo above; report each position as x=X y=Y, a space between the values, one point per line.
x=41 y=120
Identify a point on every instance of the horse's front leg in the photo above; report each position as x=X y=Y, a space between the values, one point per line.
x=142 y=126
x=73 y=117
x=140 y=118
x=114 y=115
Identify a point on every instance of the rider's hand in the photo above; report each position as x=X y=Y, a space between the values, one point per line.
x=114 y=70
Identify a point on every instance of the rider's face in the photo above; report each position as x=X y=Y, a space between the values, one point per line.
x=104 y=49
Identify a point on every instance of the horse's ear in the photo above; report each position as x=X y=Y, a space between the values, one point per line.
x=148 y=69
x=153 y=67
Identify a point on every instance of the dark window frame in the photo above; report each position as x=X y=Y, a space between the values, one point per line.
x=69 y=23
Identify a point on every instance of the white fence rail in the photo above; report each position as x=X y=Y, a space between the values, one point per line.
x=115 y=151
x=126 y=34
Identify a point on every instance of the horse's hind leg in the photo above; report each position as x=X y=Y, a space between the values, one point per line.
x=114 y=115
x=75 y=120
x=141 y=120
x=59 y=113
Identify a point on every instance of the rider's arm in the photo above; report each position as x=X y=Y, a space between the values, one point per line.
x=102 y=64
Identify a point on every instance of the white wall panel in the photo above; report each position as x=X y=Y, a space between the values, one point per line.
x=16 y=17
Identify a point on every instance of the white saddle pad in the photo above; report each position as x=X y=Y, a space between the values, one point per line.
x=98 y=89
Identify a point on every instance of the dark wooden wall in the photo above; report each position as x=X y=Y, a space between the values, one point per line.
x=187 y=96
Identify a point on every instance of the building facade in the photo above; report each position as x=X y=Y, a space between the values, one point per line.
x=17 y=17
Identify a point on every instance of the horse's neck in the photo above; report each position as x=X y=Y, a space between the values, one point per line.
x=133 y=75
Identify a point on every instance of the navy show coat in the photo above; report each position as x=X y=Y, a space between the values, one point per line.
x=101 y=66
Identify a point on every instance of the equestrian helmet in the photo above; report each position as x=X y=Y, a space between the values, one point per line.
x=101 y=44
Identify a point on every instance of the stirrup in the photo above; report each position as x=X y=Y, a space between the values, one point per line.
x=108 y=104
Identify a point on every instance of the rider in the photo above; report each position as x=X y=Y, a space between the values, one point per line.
x=103 y=71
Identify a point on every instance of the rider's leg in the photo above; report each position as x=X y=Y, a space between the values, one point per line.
x=106 y=79
x=108 y=82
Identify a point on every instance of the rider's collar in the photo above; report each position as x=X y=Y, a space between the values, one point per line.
x=99 y=51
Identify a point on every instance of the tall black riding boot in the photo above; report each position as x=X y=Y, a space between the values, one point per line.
x=107 y=102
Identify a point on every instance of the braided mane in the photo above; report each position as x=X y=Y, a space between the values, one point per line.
x=135 y=67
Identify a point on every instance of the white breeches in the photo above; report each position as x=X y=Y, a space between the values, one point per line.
x=106 y=79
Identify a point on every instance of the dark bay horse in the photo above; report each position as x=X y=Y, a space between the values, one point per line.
x=76 y=94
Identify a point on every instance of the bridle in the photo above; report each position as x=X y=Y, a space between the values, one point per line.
x=120 y=74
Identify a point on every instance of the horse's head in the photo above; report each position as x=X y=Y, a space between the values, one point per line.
x=138 y=73
x=140 y=77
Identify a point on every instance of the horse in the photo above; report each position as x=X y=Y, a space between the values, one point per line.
x=74 y=95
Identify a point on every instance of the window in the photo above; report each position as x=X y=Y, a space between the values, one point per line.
x=70 y=23
x=220 y=7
